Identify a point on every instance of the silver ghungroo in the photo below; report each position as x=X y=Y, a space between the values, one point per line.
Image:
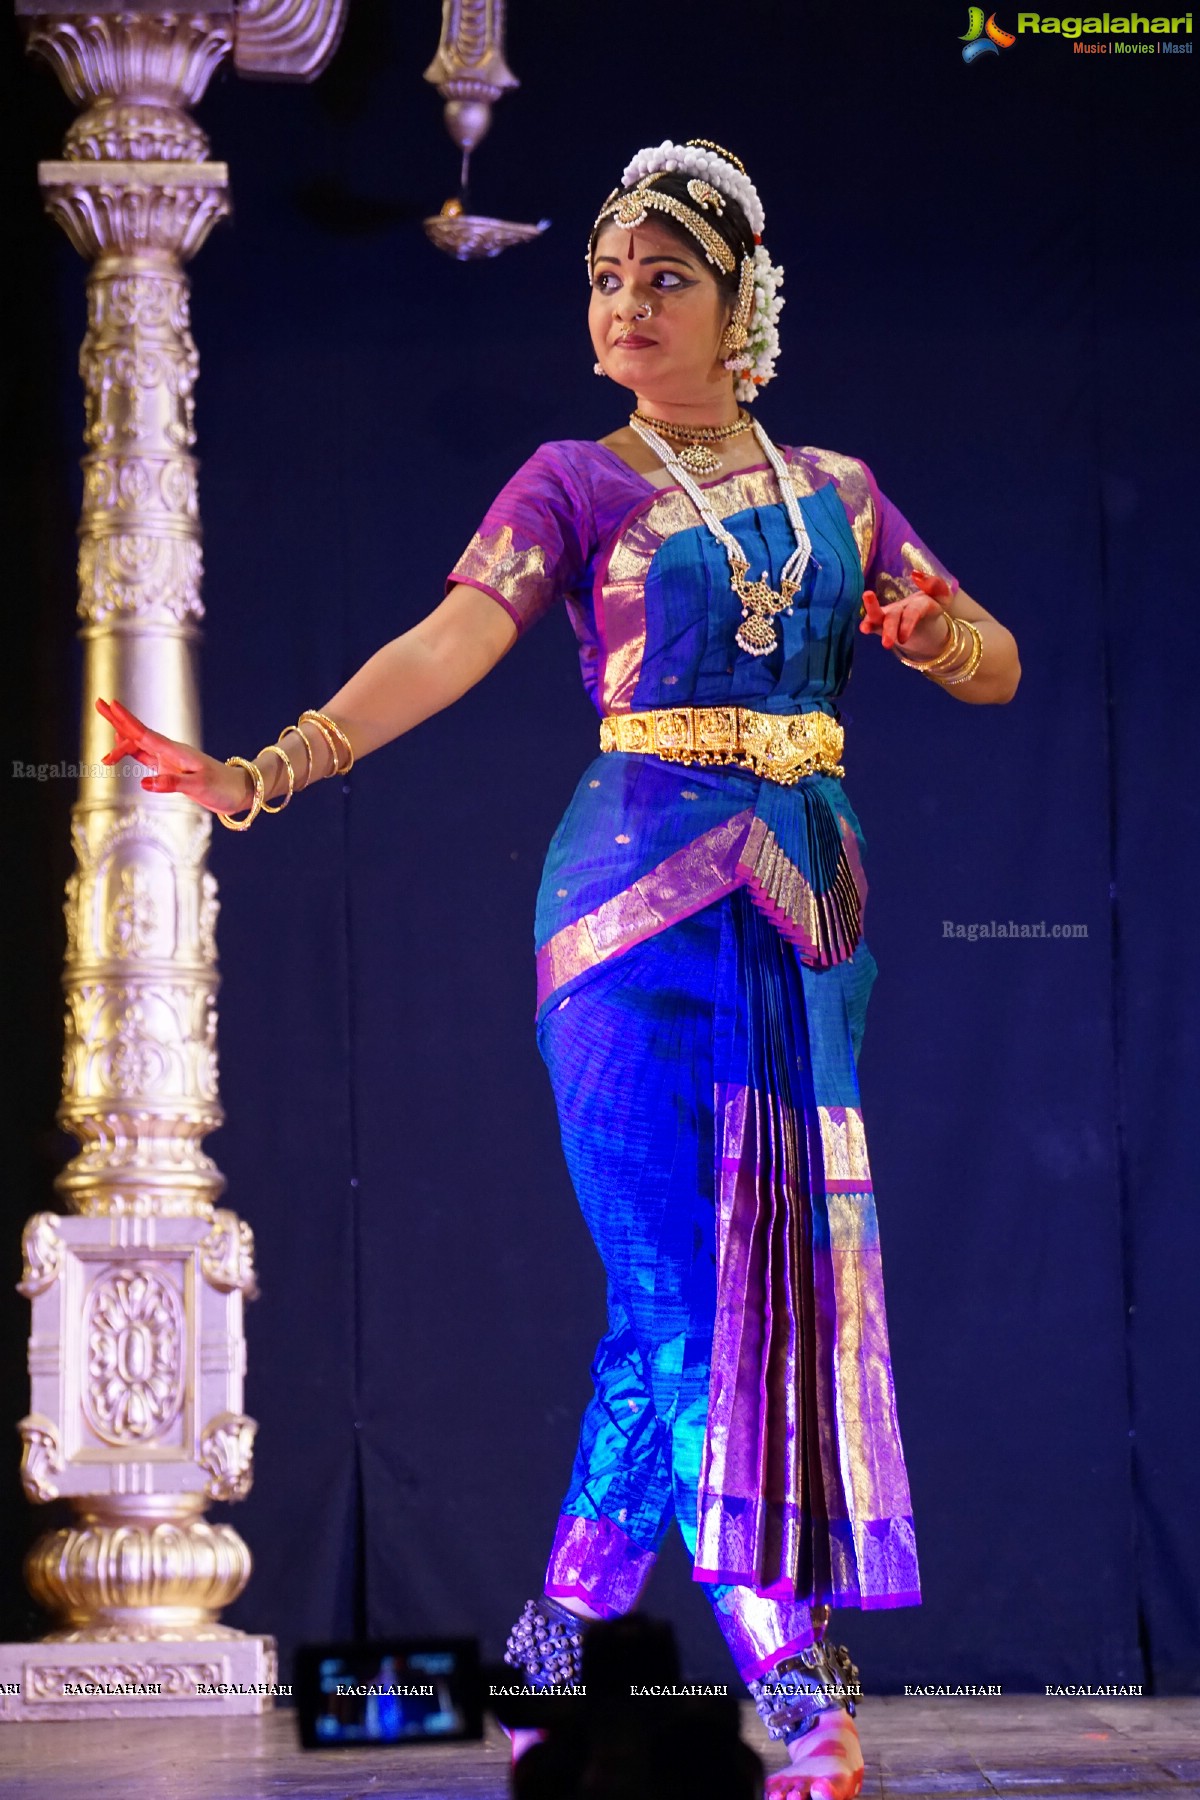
x=547 y=1643
x=790 y=1697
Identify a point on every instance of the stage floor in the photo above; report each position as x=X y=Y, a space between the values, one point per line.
x=922 y=1749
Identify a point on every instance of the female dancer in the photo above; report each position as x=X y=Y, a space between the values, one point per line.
x=702 y=972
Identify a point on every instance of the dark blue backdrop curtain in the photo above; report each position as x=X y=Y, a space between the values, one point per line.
x=991 y=298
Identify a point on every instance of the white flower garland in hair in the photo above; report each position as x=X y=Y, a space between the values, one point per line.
x=754 y=366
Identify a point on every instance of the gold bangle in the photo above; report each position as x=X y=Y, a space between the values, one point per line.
x=286 y=760
x=330 y=726
x=951 y=664
x=948 y=649
x=974 y=659
x=338 y=731
x=307 y=751
x=326 y=738
x=259 y=790
x=967 y=672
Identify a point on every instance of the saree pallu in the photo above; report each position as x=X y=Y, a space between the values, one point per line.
x=708 y=1099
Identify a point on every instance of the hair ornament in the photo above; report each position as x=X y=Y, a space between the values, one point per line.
x=695 y=159
x=707 y=144
x=631 y=207
x=706 y=195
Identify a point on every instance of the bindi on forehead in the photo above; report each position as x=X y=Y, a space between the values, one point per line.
x=641 y=244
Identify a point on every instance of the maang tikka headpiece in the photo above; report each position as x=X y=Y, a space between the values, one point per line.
x=752 y=338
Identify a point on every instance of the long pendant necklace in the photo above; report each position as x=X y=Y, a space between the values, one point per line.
x=697 y=455
x=756 y=635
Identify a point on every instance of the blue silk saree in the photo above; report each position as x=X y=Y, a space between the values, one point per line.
x=702 y=987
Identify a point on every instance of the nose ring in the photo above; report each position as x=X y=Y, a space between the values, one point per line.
x=643 y=311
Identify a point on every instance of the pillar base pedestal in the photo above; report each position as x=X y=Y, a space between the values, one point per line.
x=98 y=1678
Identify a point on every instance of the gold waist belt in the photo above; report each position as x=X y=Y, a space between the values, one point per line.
x=781 y=747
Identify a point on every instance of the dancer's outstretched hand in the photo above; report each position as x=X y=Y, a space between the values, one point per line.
x=178 y=768
x=915 y=623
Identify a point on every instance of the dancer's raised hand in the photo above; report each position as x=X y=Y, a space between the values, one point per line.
x=177 y=768
x=914 y=622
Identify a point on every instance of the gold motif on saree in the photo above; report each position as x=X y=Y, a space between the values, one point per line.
x=844 y=1143
x=518 y=576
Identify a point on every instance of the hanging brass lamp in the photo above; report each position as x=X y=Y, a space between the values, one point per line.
x=470 y=73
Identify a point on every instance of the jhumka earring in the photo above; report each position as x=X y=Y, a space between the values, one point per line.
x=737 y=333
x=596 y=369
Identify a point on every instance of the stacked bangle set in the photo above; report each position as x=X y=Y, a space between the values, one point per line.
x=336 y=741
x=950 y=667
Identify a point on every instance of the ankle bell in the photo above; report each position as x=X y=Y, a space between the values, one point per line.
x=547 y=1644
x=791 y=1697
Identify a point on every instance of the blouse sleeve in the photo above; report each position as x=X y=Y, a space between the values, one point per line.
x=895 y=550
x=533 y=542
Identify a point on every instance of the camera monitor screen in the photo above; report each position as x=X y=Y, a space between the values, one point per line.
x=406 y=1690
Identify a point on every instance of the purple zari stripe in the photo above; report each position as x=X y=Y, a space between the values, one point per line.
x=759 y=1630
x=803 y=1488
x=593 y=1560
x=680 y=885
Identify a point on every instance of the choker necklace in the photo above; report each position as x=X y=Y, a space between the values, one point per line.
x=756 y=635
x=696 y=457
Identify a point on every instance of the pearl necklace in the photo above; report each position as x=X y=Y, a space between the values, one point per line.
x=756 y=635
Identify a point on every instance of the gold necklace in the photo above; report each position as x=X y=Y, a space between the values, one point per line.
x=696 y=456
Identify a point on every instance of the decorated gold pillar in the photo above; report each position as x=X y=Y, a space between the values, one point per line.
x=136 y=1353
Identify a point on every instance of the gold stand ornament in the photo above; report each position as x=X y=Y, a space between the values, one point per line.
x=470 y=73
x=137 y=1353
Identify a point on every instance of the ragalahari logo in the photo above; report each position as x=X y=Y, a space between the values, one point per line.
x=983 y=37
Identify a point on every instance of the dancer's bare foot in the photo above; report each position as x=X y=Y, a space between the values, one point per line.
x=826 y=1763
x=521 y=1737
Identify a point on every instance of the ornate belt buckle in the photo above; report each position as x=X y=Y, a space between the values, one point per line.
x=673 y=728
x=764 y=744
x=716 y=728
x=753 y=730
x=781 y=752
